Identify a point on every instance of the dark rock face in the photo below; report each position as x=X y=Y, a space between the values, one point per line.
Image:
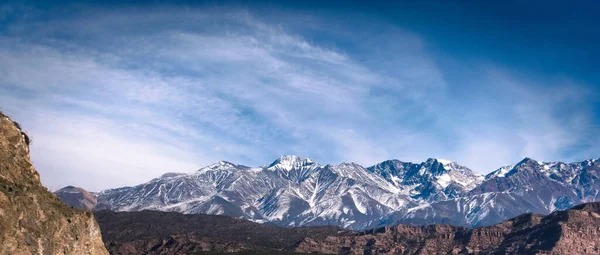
x=574 y=231
x=33 y=220
x=77 y=197
x=153 y=232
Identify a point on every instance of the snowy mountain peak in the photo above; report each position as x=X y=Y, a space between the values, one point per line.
x=529 y=164
x=295 y=191
x=225 y=164
x=592 y=161
x=528 y=160
x=170 y=175
x=347 y=169
x=289 y=162
x=444 y=161
x=441 y=161
x=447 y=173
x=389 y=162
x=349 y=164
x=509 y=170
x=501 y=172
x=435 y=166
x=446 y=164
x=220 y=166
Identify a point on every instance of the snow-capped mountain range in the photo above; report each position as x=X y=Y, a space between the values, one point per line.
x=296 y=191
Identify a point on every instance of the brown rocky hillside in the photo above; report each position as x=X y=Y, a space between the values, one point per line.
x=574 y=231
x=33 y=220
x=77 y=197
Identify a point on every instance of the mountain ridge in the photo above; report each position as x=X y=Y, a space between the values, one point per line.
x=296 y=191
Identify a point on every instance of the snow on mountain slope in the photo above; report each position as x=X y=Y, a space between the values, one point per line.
x=346 y=195
x=432 y=180
x=291 y=191
x=293 y=168
x=236 y=184
x=581 y=177
x=528 y=186
x=485 y=209
x=296 y=191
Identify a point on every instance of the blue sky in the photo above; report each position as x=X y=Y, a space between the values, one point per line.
x=117 y=94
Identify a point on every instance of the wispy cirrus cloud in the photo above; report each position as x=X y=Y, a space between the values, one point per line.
x=116 y=97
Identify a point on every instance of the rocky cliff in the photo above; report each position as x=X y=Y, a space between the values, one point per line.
x=33 y=220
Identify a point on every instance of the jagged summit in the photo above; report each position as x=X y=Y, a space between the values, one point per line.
x=441 y=161
x=526 y=164
x=171 y=175
x=590 y=162
x=293 y=168
x=434 y=179
x=528 y=160
x=289 y=162
x=349 y=164
x=222 y=163
x=222 y=166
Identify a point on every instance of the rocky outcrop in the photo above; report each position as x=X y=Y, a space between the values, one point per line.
x=33 y=220
x=574 y=231
x=77 y=197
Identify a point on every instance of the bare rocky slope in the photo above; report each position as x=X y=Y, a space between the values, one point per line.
x=77 y=197
x=574 y=231
x=33 y=220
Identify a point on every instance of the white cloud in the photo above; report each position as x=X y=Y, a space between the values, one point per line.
x=134 y=94
x=96 y=152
